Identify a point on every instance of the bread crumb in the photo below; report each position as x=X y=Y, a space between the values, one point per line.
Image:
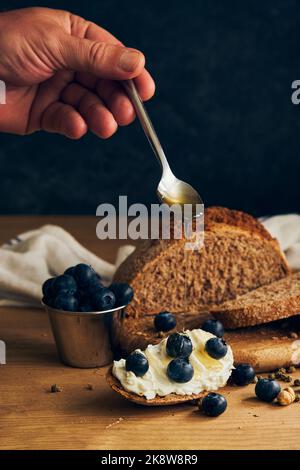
x=55 y=388
x=114 y=422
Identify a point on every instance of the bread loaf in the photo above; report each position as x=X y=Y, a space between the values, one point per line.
x=239 y=255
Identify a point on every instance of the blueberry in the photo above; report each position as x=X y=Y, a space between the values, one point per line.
x=213 y=326
x=86 y=308
x=84 y=275
x=180 y=370
x=213 y=404
x=103 y=299
x=64 y=284
x=179 y=345
x=123 y=293
x=216 y=348
x=47 y=287
x=66 y=302
x=94 y=284
x=70 y=271
x=81 y=295
x=164 y=321
x=243 y=374
x=48 y=301
x=267 y=389
x=137 y=363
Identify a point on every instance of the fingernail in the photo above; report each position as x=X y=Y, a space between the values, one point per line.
x=129 y=60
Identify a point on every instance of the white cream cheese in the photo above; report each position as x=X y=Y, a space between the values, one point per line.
x=209 y=373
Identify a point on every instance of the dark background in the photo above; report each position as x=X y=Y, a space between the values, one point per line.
x=223 y=111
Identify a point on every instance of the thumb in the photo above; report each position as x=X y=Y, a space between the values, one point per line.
x=104 y=60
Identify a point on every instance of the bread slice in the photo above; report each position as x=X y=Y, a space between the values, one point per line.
x=238 y=256
x=266 y=347
x=130 y=333
x=278 y=300
x=171 y=399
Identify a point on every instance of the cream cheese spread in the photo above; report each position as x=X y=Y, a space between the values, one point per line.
x=209 y=374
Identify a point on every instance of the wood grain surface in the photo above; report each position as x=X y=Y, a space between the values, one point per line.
x=82 y=418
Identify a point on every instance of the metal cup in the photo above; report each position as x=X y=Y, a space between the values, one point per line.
x=83 y=339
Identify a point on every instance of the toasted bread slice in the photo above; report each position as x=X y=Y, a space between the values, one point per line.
x=171 y=399
x=278 y=300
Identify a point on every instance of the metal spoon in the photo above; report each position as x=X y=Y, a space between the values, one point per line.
x=170 y=190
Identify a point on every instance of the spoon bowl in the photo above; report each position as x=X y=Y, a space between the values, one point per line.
x=174 y=191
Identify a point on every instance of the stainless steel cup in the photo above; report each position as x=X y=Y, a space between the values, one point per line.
x=83 y=339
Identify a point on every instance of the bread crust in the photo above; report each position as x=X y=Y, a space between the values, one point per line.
x=171 y=399
x=242 y=220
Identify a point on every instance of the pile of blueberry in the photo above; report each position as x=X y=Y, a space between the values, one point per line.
x=80 y=289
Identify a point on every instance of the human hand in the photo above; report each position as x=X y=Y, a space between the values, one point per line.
x=61 y=74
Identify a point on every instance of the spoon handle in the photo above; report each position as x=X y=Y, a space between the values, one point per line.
x=146 y=123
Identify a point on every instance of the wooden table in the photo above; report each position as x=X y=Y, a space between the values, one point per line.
x=78 y=418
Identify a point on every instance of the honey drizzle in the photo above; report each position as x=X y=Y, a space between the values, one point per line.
x=187 y=255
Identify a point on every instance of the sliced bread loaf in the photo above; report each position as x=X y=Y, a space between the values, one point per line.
x=278 y=300
x=238 y=256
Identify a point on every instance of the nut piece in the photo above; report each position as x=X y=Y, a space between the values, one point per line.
x=286 y=397
x=293 y=335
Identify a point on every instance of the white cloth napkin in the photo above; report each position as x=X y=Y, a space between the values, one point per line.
x=32 y=257
x=286 y=229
